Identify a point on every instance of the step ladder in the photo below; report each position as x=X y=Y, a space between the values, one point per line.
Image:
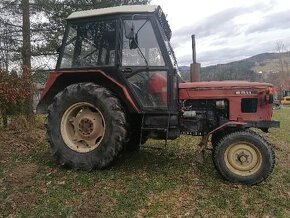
x=166 y=130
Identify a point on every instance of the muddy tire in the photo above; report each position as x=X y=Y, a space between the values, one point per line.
x=86 y=127
x=244 y=157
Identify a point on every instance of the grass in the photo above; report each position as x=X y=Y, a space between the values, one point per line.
x=151 y=183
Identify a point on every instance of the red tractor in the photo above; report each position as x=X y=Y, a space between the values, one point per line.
x=117 y=84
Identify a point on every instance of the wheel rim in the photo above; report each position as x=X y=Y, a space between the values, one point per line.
x=243 y=158
x=82 y=127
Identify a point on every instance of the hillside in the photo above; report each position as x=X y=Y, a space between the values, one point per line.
x=262 y=67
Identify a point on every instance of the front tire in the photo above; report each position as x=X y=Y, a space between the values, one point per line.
x=218 y=136
x=244 y=157
x=86 y=126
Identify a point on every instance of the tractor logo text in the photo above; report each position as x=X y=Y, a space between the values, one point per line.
x=246 y=92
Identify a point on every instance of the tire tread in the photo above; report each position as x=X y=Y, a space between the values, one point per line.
x=248 y=133
x=110 y=152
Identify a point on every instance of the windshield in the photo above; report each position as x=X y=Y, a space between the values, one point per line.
x=166 y=34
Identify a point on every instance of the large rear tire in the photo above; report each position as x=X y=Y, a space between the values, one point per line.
x=86 y=126
x=244 y=157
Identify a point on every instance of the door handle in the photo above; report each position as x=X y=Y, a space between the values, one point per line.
x=127 y=70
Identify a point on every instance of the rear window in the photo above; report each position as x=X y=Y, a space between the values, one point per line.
x=90 y=44
x=249 y=105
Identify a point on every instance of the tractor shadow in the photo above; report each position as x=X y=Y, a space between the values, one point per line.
x=170 y=162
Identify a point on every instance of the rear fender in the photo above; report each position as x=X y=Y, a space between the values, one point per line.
x=58 y=81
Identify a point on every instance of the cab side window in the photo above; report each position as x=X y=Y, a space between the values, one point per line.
x=140 y=44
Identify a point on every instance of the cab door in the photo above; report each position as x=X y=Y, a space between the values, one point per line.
x=143 y=64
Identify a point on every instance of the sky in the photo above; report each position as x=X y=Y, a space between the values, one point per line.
x=226 y=30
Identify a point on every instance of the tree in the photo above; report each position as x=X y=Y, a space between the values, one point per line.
x=26 y=43
x=280 y=48
x=284 y=73
x=10 y=31
x=26 y=53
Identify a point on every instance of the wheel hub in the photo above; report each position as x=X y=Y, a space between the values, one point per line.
x=82 y=127
x=243 y=158
x=86 y=127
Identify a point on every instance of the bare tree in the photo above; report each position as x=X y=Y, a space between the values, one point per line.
x=280 y=48
x=284 y=74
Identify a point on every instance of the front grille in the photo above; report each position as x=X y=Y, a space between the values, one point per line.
x=249 y=105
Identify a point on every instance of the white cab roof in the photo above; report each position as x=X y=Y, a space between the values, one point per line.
x=113 y=10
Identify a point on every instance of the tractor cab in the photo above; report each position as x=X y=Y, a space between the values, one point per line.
x=130 y=44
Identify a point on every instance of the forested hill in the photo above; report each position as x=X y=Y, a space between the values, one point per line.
x=256 y=68
x=239 y=70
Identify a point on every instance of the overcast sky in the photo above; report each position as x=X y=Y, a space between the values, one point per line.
x=226 y=30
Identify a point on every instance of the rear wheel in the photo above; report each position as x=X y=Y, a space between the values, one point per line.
x=244 y=157
x=86 y=126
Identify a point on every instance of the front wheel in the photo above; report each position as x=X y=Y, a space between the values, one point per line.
x=244 y=157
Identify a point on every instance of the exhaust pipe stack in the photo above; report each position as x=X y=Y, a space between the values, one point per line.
x=194 y=67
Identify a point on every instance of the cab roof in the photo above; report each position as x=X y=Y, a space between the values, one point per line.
x=114 y=10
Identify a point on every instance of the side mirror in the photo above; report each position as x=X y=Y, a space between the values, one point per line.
x=129 y=30
x=134 y=42
x=131 y=33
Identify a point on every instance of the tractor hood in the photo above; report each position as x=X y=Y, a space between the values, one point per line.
x=221 y=89
x=223 y=85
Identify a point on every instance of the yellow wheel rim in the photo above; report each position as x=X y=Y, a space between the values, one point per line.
x=82 y=127
x=243 y=158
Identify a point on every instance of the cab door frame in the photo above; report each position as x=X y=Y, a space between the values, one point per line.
x=129 y=71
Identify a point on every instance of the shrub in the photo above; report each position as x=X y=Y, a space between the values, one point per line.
x=15 y=92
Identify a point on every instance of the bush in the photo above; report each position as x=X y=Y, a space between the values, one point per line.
x=15 y=93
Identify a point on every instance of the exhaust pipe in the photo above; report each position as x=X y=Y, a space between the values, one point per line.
x=194 y=67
